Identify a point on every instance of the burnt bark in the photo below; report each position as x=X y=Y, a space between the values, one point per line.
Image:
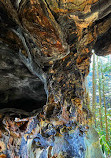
x=53 y=39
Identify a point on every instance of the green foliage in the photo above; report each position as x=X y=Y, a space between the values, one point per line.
x=107 y=69
x=105 y=145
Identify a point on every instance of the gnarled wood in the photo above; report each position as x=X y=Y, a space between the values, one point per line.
x=54 y=40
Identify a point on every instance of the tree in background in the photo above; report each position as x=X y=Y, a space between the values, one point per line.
x=103 y=84
x=99 y=88
x=94 y=90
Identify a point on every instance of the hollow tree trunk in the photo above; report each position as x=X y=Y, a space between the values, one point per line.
x=54 y=40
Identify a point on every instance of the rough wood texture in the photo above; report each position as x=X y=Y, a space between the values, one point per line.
x=53 y=39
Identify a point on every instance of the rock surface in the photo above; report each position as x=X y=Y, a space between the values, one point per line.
x=45 y=51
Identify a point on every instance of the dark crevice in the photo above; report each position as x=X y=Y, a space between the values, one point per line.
x=102 y=44
x=25 y=104
x=103 y=19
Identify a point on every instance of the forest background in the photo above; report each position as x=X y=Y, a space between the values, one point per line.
x=98 y=98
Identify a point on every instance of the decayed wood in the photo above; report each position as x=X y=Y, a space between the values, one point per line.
x=54 y=40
